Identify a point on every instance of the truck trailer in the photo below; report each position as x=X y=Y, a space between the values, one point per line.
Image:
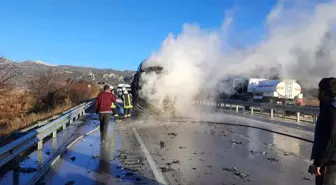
x=279 y=91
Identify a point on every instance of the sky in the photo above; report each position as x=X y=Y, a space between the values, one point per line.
x=116 y=34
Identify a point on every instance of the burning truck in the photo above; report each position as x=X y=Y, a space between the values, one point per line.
x=142 y=103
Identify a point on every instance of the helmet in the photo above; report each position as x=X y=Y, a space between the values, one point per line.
x=111 y=87
x=125 y=91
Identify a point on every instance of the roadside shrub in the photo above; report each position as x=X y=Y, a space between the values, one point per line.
x=81 y=91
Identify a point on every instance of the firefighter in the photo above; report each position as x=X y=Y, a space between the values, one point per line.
x=113 y=106
x=127 y=100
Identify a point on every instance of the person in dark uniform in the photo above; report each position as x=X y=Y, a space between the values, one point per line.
x=113 y=106
x=324 y=147
x=127 y=100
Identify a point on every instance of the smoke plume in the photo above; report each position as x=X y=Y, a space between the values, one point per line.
x=299 y=44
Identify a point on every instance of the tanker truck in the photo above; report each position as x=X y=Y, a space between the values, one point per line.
x=279 y=91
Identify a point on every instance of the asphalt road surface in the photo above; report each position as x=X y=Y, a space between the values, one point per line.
x=184 y=153
x=196 y=153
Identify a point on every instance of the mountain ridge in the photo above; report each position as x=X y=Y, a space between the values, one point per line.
x=29 y=69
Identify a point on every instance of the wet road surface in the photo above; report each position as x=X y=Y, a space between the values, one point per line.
x=29 y=166
x=185 y=153
x=195 y=153
x=117 y=161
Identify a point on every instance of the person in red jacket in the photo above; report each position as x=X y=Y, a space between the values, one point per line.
x=104 y=101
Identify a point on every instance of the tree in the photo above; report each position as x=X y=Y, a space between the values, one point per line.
x=47 y=90
x=8 y=71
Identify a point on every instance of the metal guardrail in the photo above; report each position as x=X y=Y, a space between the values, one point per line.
x=15 y=148
x=314 y=111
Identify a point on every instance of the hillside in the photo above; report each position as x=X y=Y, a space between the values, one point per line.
x=30 y=69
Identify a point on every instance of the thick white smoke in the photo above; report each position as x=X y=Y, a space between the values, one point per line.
x=300 y=44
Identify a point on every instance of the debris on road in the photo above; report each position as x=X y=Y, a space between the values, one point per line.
x=95 y=156
x=265 y=153
x=27 y=169
x=236 y=142
x=272 y=159
x=287 y=154
x=182 y=147
x=306 y=178
x=70 y=183
x=165 y=169
x=41 y=183
x=48 y=153
x=213 y=132
x=172 y=134
x=236 y=172
x=173 y=162
x=162 y=144
x=73 y=158
x=253 y=152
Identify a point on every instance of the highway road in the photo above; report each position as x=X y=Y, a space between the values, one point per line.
x=162 y=152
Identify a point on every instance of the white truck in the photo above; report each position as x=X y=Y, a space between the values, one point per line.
x=280 y=91
x=121 y=87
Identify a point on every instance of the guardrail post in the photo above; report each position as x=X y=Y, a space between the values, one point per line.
x=272 y=113
x=16 y=171
x=39 y=158
x=64 y=126
x=314 y=118
x=54 y=134
x=261 y=110
x=284 y=115
x=230 y=106
x=298 y=117
x=251 y=110
x=237 y=108
x=40 y=145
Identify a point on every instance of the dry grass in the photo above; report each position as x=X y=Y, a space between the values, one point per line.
x=311 y=101
x=22 y=122
x=46 y=97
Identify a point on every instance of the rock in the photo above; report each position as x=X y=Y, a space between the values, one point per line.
x=73 y=158
x=182 y=147
x=194 y=168
x=287 y=154
x=48 y=153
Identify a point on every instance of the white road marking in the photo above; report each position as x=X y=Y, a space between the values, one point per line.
x=157 y=173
